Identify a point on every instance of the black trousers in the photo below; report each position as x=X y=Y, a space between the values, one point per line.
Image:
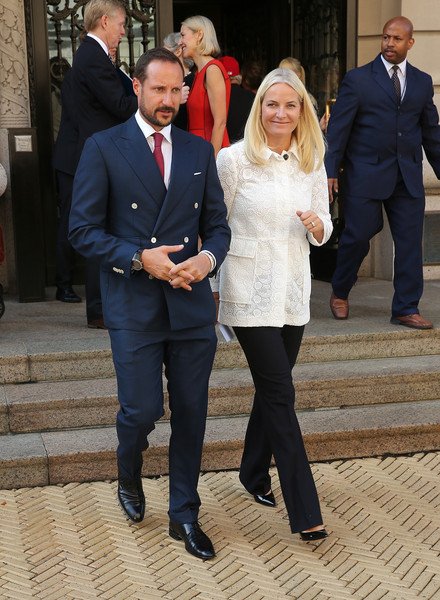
x=273 y=427
x=65 y=254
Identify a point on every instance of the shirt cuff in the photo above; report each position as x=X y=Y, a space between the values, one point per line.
x=211 y=258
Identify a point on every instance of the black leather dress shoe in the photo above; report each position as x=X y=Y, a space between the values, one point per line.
x=196 y=542
x=131 y=498
x=313 y=536
x=67 y=294
x=265 y=499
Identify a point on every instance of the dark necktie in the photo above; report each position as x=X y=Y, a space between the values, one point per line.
x=157 y=152
x=396 y=83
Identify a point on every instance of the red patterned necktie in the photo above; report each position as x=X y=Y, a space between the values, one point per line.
x=396 y=83
x=157 y=152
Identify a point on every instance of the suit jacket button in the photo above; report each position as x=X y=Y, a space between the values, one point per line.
x=196 y=205
x=150 y=276
x=134 y=205
x=153 y=240
x=186 y=240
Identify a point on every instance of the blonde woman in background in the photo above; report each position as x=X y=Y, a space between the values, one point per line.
x=294 y=65
x=208 y=101
x=276 y=194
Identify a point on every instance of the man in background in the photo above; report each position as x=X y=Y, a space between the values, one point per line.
x=384 y=115
x=100 y=102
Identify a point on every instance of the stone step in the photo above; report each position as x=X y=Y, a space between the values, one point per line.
x=36 y=459
x=92 y=402
x=56 y=360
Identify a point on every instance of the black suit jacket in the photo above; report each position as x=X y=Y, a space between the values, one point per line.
x=65 y=149
x=239 y=108
x=99 y=96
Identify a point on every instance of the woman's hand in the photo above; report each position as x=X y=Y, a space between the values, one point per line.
x=312 y=223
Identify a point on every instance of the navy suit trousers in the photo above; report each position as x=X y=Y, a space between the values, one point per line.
x=363 y=219
x=188 y=356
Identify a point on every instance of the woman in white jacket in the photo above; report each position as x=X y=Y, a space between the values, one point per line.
x=276 y=193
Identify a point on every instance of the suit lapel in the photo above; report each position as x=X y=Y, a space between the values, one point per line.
x=184 y=157
x=134 y=148
x=410 y=84
x=381 y=76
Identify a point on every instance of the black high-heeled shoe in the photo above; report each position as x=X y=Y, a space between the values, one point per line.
x=265 y=499
x=313 y=536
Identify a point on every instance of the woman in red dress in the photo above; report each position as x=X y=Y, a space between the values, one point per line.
x=208 y=101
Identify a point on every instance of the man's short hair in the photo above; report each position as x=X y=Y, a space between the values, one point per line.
x=96 y=9
x=161 y=54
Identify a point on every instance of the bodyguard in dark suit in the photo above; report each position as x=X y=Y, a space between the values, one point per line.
x=383 y=117
x=100 y=102
x=145 y=192
x=65 y=162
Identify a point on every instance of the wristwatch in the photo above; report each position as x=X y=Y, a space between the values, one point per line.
x=136 y=261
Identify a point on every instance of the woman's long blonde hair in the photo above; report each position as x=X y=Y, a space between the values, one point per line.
x=308 y=135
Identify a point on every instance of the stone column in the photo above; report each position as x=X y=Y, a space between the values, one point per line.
x=14 y=111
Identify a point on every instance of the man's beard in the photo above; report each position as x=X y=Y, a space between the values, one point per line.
x=151 y=118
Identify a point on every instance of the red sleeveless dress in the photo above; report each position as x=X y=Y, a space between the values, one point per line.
x=200 y=119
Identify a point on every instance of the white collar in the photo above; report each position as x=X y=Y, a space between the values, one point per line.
x=292 y=151
x=389 y=66
x=148 y=130
x=100 y=42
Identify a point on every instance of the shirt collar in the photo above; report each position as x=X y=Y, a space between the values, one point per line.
x=389 y=66
x=148 y=130
x=292 y=151
x=100 y=42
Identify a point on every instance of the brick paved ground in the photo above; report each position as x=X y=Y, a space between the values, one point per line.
x=72 y=541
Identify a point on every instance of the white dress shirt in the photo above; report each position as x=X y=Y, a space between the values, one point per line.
x=167 y=145
x=167 y=153
x=401 y=74
x=265 y=279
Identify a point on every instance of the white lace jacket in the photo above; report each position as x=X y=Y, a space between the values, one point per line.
x=265 y=278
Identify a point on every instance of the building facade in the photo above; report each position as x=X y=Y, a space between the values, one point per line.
x=36 y=36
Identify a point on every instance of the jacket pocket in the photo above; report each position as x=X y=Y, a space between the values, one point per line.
x=238 y=271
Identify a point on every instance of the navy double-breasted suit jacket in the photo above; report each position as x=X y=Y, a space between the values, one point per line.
x=374 y=137
x=120 y=204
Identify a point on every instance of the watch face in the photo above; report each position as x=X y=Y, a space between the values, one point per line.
x=137 y=264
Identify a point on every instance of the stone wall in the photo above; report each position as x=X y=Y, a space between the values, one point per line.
x=14 y=111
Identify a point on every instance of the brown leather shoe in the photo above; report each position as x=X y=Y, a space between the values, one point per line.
x=414 y=321
x=96 y=323
x=339 y=307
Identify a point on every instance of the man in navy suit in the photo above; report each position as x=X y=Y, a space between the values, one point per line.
x=100 y=102
x=383 y=116
x=145 y=193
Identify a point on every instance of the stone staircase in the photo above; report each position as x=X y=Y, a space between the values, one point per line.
x=359 y=393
